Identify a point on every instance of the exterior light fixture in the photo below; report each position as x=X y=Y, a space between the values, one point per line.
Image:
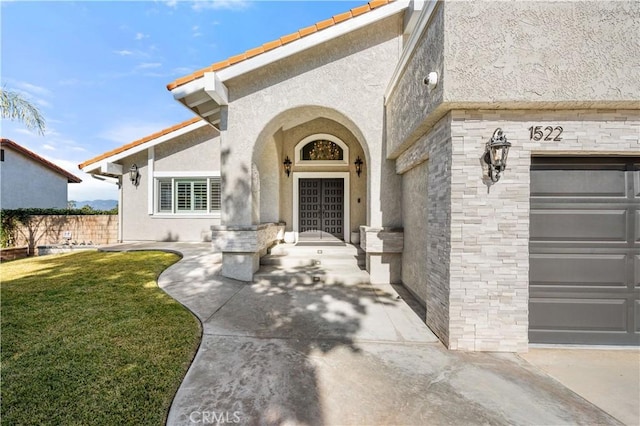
x=287 y=166
x=358 y=164
x=134 y=175
x=496 y=153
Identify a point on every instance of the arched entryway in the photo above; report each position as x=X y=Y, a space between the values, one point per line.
x=322 y=196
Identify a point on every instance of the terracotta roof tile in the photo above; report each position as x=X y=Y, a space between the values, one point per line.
x=253 y=52
x=324 y=24
x=308 y=30
x=137 y=142
x=235 y=59
x=289 y=38
x=8 y=143
x=319 y=26
x=356 y=11
x=342 y=17
x=374 y=4
x=272 y=45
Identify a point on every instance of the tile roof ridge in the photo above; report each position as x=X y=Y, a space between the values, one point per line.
x=303 y=32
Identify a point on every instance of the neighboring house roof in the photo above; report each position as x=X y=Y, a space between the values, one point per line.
x=336 y=19
x=7 y=143
x=140 y=141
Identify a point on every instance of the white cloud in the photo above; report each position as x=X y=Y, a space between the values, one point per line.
x=171 y=3
x=199 y=5
x=31 y=89
x=90 y=188
x=181 y=70
x=123 y=52
x=148 y=65
x=48 y=147
x=42 y=103
x=123 y=133
x=140 y=36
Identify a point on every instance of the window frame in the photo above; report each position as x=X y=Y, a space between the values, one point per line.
x=211 y=179
x=320 y=163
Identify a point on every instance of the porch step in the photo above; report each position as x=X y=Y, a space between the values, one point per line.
x=309 y=275
x=289 y=255
x=292 y=264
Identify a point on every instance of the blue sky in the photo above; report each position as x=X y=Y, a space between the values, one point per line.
x=98 y=70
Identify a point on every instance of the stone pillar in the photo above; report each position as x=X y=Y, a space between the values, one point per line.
x=383 y=247
x=242 y=247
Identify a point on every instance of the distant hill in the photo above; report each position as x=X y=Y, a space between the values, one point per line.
x=98 y=204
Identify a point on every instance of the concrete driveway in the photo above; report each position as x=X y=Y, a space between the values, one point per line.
x=320 y=354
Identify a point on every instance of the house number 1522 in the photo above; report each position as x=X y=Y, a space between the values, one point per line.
x=548 y=133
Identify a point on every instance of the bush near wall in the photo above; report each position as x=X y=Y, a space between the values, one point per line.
x=33 y=227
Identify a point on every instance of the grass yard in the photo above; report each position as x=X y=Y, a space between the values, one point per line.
x=89 y=338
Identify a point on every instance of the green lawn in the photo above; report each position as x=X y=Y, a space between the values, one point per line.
x=89 y=338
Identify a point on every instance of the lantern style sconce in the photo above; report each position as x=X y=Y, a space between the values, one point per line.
x=134 y=175
x=287 y=166
x=358 y=164
x=496 y=153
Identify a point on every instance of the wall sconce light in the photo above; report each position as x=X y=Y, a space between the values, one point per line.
x=496 y=152
x=134 y=175
x=358 y=164
x=287 y=166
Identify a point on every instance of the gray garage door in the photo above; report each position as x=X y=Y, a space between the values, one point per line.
x=585 y=251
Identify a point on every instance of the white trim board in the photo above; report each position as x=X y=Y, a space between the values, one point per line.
x=322 y=175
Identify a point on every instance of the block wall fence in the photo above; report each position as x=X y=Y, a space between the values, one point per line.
x=50 y=229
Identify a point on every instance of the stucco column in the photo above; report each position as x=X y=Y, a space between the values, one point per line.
x=237 y=236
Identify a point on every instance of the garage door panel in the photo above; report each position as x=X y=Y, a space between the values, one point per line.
x=577 y=183
x=584 y=276
x=578 y=314
x=577 y=270
x=578 y=225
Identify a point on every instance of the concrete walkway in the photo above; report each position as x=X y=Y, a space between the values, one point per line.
x=338 y=354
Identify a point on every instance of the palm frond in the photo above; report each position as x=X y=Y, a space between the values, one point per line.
x=14 y=106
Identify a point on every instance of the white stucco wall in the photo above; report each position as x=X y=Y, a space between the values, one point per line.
x=197 y=151
x=523 y=55
x=342 y=80
x=25 y=183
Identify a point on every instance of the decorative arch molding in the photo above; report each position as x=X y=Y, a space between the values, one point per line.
x=321 y=137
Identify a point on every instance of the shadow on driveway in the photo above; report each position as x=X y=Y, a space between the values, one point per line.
x=335 y=354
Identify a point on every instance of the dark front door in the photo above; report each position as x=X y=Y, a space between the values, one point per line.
x=584 y=265
x=321 y=208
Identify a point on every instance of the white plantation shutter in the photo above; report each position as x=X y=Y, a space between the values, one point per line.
x=200 y=195
x=165 y=196
x=180 y=195
x=183 y=196
x=215 y=202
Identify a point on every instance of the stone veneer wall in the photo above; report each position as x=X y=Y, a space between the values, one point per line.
x=49 y=229
x=489 y=261
x=433 y=151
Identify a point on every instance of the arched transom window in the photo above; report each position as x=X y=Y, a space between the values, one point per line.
x=321 y=149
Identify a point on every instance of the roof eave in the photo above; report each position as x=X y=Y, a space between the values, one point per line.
x=96 y=166
x=206 y=94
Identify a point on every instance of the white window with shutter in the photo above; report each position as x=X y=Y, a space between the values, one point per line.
x=180 y=195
